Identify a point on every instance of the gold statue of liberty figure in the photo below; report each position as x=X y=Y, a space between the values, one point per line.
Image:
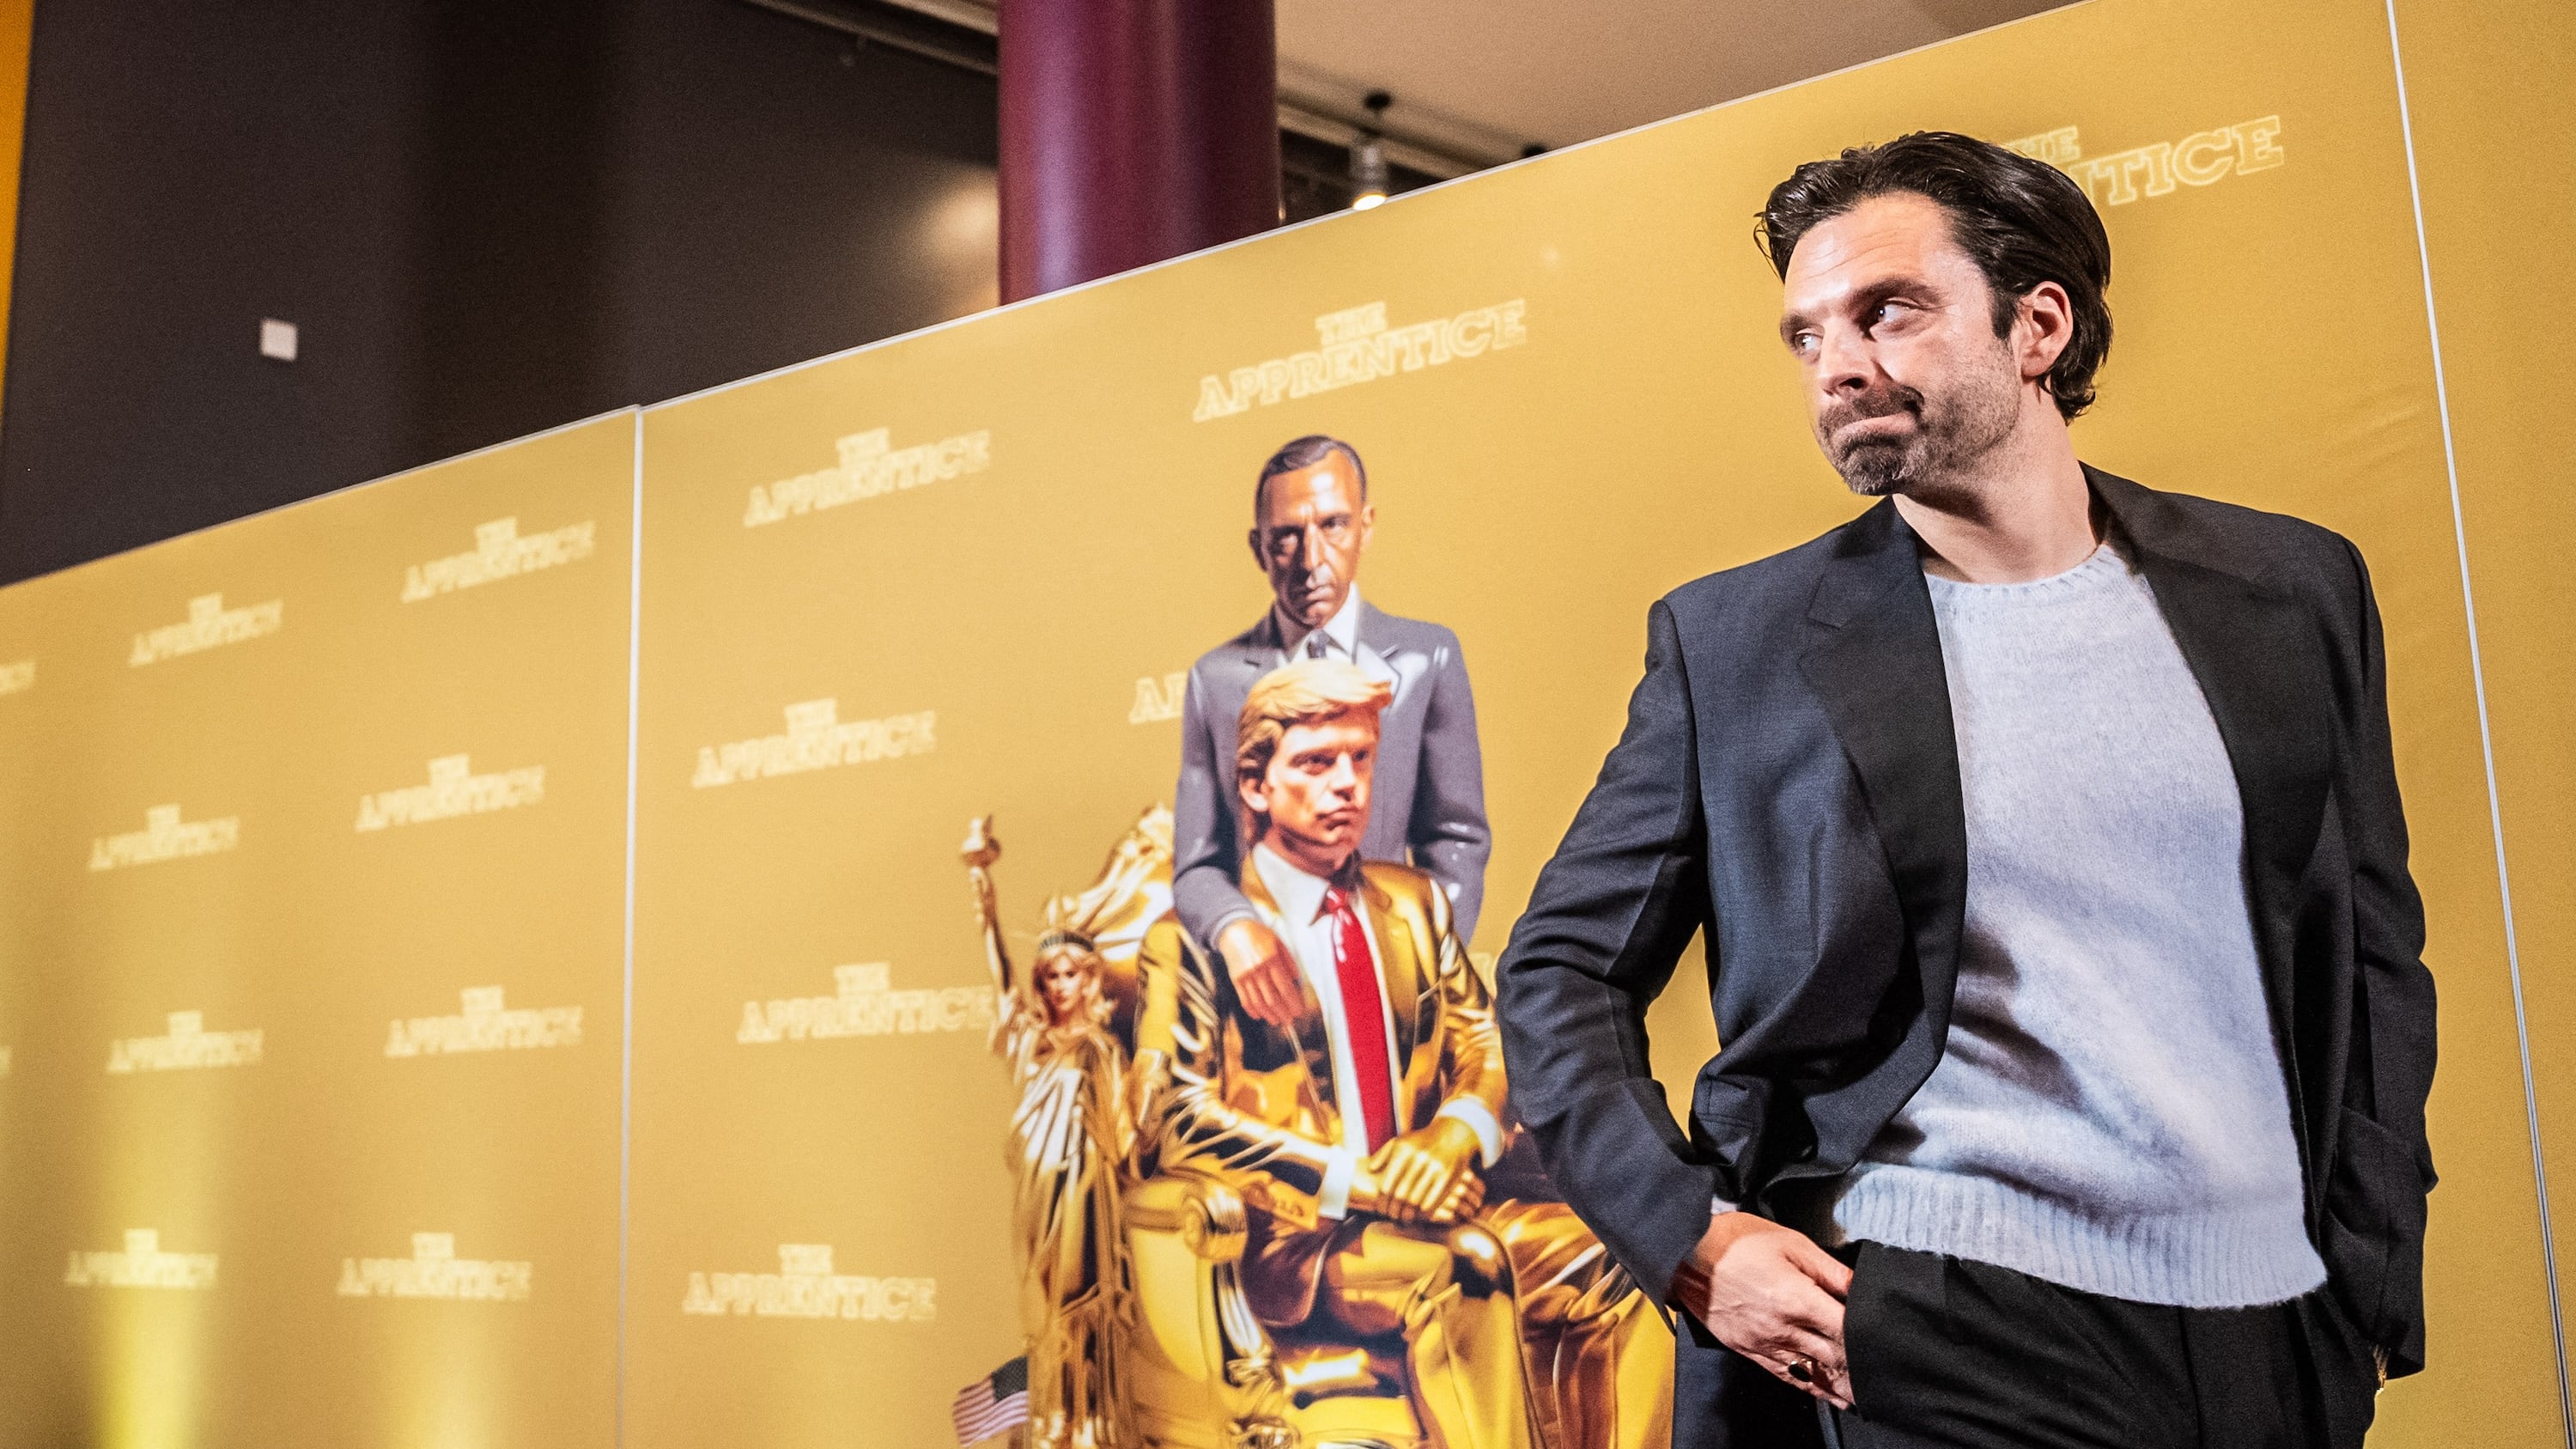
x=1074 y=1129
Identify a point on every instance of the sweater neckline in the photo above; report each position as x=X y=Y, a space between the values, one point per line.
x=2103 y=565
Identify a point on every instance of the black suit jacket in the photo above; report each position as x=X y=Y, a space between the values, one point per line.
x=1788 y=785
x=1427 y=799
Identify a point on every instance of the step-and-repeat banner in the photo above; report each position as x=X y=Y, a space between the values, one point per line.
x=311 y=1000
x=312 y=943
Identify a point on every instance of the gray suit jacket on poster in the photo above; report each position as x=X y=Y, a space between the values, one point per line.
x=1427 y=800
x=1788 y=786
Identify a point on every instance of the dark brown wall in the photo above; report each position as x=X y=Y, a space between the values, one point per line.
x=189 y=169
x=821 y=194
x=486 y=218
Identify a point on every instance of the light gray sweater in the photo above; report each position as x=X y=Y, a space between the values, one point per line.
x=2109 y=1113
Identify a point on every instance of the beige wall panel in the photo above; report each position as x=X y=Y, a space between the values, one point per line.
x=1535 y=498
x=2495 y=143
x=304 y=705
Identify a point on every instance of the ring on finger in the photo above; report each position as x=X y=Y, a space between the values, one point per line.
x=1803 y=1369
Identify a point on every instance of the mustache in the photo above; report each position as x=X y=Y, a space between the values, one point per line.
x=1888 y=403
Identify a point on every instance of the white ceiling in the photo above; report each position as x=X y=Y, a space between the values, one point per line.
x=1483 y=78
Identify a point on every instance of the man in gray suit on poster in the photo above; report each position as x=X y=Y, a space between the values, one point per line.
x=1311 y=522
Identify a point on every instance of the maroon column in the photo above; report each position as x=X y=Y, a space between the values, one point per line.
x=1132 y=131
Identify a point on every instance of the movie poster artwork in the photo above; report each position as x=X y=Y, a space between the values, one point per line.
x=1267 y=1188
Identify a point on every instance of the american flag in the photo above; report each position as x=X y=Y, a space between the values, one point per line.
x=993 y=1403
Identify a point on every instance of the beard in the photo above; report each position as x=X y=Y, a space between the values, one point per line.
x=1953 y=428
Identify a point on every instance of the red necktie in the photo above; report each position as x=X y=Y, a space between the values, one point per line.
x=1363 y=1015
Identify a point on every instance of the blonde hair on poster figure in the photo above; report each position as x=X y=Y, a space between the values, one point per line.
x=1309 y=691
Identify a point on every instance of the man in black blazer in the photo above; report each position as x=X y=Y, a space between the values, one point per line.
x=2044 y=834
x=1311 y=524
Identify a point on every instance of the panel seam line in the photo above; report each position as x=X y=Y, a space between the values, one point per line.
x=626 y=1037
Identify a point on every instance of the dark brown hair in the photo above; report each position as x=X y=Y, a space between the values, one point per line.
x=1301 y=453
x=2022 y=221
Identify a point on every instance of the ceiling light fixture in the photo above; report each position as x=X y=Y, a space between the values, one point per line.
x=1368 y=156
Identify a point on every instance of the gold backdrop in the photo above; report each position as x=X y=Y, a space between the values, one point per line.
x=967 y=566
x=399 y=778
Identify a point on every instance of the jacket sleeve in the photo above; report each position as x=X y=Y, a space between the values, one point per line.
x=1471 y=1067
x=2378 y=1191
x=1205 y=846
x=1181 y=1062
x=1447 y=828
x=1610 y=916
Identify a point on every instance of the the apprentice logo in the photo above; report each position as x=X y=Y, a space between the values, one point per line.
x=1356 y=346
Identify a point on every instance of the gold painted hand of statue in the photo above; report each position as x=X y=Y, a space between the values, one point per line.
x=1426 y=1175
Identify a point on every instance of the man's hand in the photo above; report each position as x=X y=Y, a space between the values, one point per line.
x=1429 y=1174
x=1465 y=1197
x=1265 y=980
x=1772 y=1295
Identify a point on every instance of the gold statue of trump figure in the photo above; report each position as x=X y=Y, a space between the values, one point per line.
x=1390 y=1248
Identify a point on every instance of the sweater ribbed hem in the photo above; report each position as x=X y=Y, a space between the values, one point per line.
x=2239 y=1258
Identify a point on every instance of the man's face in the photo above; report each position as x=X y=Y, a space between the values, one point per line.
x=1907 y=384
x=1308 y=534
x=1316 y=791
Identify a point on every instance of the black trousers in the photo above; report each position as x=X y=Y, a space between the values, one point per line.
x=1950 y=1354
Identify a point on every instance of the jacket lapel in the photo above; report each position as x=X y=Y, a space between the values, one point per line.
x=1874 y=661
x=1383 y=655
x=1372 y=629
x=1399 y=968
x=2261 y=665
x=1258 y=647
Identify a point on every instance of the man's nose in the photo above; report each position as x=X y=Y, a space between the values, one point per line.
x=1844 y=360
x=1298 y=548
x=1345 y=775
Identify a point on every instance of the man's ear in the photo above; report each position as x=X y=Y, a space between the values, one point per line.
x=1260 y=555
x=2044 y=326
x=1255 y=793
